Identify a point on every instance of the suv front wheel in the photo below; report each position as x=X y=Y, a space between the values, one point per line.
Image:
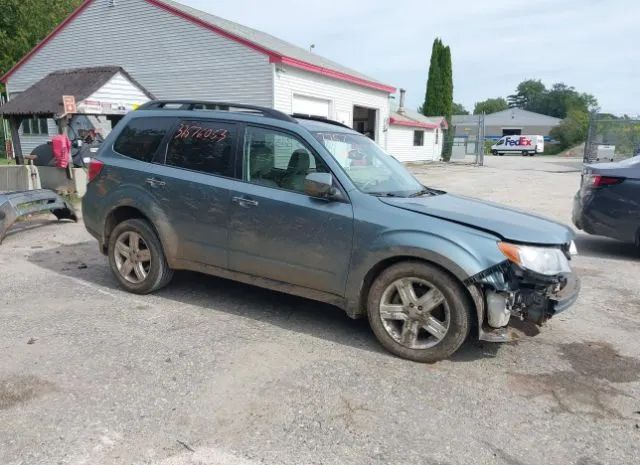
x=419 y=312
x=136 y=257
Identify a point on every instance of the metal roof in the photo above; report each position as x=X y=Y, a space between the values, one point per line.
x=44 y=98
x=293 y=54
x=510 y=116
x=415 y=119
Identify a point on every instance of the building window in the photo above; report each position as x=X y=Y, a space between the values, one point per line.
x=418 y=138
x=35 y=127
x=437 y=135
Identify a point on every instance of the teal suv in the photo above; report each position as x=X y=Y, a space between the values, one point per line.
x=310 y=207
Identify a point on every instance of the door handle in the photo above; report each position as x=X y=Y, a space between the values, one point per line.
x=153 y=182
x=246 y=203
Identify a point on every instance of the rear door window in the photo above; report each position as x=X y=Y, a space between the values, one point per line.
x=141 y=137
x=204 y=146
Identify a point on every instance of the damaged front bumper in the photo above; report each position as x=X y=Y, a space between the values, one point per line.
x=14 y=205
x=507 y=291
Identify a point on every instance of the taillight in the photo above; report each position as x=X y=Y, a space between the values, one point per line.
x=95 y=166
x=601 y=181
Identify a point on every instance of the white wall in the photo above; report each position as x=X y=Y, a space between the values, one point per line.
x=400 y=144
x=169 y=56
x=28 y=143
x=119 y=90
x=342 y=96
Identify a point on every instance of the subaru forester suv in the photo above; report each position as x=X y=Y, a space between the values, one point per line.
x=313 y=208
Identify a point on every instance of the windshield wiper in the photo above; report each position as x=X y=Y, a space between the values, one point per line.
x=383 y=194
x=422 y=192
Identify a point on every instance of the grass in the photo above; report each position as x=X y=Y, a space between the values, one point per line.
x=4 y=161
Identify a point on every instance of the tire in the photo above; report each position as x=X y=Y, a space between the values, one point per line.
x=525 y=153
x=145 y=276
x=494 y=152
x=454 y=314
x=501 y=154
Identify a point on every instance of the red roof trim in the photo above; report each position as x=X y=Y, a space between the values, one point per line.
x=44 y=41
x=413 y=124
x=273 y=56
x=332 y=73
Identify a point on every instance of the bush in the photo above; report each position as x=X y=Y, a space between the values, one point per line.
x=572 y=130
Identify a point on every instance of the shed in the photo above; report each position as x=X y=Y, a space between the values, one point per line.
x=413 y=136
x=108 y=91
x=178 y=52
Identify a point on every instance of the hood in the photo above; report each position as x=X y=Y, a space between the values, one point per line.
x=507 y=223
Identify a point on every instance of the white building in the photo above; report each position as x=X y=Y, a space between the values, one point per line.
x=175 y=51
x=412 y=136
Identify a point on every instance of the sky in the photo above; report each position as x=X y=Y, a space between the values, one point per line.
x=592 y=45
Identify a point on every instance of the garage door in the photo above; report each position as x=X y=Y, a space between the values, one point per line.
x=311 y=106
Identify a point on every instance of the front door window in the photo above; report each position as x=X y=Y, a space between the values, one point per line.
x=279 y=160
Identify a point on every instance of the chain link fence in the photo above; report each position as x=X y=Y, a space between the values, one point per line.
x=611 y=139
x=467 y=140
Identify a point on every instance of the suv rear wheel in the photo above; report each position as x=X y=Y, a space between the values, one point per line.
x=136 y=257
x=419 y=312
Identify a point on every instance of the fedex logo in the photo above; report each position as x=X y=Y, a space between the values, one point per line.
x=519 y=141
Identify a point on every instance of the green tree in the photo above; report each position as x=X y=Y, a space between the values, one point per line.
x=532 y=95
x=527 y=93
x=24 y=23
x=434 y=82
x=439 y=95
x=458 y=109
x=573 y=129
x=490 y=105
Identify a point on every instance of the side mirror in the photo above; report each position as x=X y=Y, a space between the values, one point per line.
x=319 y=185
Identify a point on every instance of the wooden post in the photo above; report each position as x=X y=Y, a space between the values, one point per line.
x=14 y=125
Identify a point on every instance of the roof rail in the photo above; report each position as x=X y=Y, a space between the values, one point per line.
x=219 y=106
x=320 y=119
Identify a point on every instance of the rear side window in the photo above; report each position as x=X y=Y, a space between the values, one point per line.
x=205 y=146
x=141 y=137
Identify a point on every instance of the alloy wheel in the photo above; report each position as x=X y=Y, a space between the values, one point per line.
x=132 y=257
x=414 y=313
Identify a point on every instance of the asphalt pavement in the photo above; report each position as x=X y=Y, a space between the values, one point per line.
x=209 y=371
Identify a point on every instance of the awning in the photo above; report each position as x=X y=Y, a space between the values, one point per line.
x=44 y=98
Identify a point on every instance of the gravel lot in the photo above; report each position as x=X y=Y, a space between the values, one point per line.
x=212 y=372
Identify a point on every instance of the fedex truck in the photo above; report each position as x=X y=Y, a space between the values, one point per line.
x=526 y=145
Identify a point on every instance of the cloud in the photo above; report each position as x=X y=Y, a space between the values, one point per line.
x=589 y=44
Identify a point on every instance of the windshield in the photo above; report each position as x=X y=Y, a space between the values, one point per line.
x=370 y=168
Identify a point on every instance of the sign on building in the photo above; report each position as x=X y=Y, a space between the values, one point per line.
x=69 y=103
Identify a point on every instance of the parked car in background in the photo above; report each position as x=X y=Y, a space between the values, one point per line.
x=313 y=208
x=608 y=202
x=526 y=145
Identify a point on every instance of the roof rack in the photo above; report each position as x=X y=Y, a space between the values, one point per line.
x=217 y=106
x=320 y=119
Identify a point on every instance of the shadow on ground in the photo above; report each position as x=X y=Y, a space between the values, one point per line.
x=603 y=247
x=83 y=261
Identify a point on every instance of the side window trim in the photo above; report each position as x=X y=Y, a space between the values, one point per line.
x=307 y=145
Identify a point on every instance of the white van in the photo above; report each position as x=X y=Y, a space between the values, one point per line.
x=526 y=145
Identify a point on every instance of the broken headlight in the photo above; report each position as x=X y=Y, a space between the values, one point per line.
x=544 y=260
